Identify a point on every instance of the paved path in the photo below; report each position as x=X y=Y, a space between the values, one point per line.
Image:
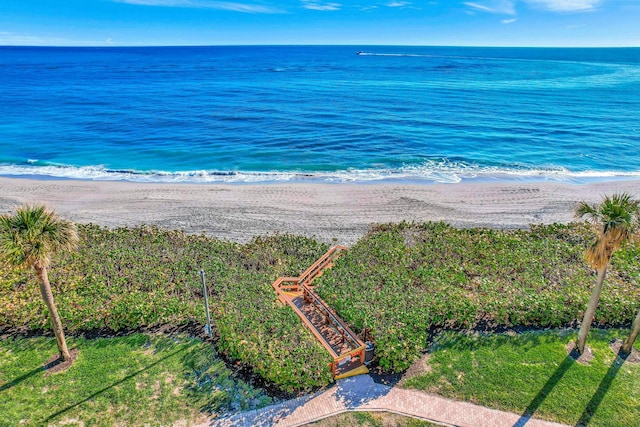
x=361 y=393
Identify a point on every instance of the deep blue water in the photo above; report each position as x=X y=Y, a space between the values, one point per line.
x=431 y=114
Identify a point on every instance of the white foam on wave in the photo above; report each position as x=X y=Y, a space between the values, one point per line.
x=429 y=172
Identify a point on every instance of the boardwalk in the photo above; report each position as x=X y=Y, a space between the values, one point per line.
x=361 y=393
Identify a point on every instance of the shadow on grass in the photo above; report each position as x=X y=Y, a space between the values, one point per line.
x=128 y=377
x=602 y=390
x=264 y=417
x=544 y=392
x=21 y=378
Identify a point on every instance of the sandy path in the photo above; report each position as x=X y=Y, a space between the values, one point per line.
x=343 y=212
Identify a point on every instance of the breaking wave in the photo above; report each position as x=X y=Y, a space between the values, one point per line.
x=428 y=172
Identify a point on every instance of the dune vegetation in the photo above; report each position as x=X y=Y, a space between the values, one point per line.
x=401 y=283
x=404 y=281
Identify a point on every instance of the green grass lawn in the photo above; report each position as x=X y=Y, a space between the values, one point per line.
x=132 y=380
x=371 y=419
x=530 y=373
x=145 y=379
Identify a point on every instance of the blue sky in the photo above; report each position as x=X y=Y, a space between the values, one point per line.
x=352 y=22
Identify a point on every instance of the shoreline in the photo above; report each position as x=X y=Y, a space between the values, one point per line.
x=333 y=213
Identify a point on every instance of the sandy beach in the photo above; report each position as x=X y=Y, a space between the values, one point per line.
x=339 y=213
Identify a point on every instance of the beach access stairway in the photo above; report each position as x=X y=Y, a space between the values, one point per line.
x=347 y=350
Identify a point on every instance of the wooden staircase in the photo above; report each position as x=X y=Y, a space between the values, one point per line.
x=347 y=350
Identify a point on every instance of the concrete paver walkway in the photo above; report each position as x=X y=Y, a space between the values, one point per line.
x=361 y=393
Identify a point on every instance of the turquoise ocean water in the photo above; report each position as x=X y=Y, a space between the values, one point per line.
x=320 y=114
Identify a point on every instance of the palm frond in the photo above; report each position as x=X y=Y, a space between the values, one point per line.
x=618 y=218
x=586 y=211
x=33 y=234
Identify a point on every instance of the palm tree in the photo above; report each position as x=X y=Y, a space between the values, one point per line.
x=29 y=238
x=615 y=218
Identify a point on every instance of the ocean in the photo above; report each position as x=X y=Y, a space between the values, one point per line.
x=320 y=114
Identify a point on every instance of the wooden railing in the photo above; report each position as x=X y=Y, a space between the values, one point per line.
x=324 y=262
x=331 y=318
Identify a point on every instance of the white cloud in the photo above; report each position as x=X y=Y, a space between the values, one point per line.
x=398 y=3
x=166 y=3
x=313 y=5
x=503 y=7
x=566 y=5
x=8 y=38
x=508 y=21
x=204 y=4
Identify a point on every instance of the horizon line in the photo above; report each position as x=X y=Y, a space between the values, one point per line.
x=314 y=45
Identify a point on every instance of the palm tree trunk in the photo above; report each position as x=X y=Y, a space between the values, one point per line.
x=47 y=297
x=591 y=310
x=627 y=346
